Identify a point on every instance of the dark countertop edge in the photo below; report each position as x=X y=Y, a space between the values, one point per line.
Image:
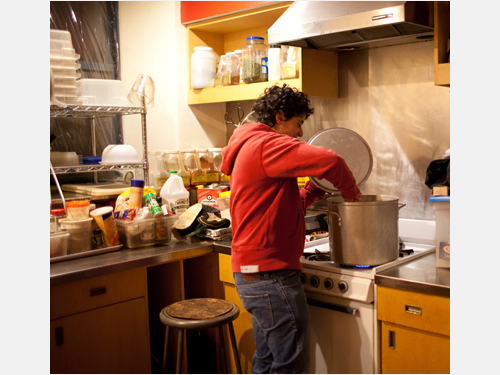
x=412 y=286
x=126 y=259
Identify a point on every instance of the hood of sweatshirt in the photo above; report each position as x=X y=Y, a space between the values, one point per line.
x=240 y=136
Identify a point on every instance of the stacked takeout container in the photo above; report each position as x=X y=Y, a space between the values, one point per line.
x=65 y=68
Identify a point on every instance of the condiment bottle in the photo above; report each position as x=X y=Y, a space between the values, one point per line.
x=58 y=214
x=238 y=54
x=274 y=62
x=220 y=69
x=226 y=70
x=136 y=194
x=288 y=69
x=254 y=60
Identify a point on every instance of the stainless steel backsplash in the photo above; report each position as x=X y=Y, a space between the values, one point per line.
x=387 y=95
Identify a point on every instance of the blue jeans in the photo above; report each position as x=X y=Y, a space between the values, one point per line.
x=280 y=320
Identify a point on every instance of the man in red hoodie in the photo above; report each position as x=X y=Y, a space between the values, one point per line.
x=267 y=211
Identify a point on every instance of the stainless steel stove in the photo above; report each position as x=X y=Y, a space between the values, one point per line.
x=342 y=303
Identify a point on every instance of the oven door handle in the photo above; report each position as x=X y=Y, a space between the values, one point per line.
x=331 y=306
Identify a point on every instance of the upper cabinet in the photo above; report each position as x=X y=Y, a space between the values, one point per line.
x=317 y=70
x=442 y=43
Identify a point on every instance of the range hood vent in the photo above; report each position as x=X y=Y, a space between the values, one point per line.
x=347 y=25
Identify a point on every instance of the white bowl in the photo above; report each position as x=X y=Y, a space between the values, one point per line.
x=119 y=154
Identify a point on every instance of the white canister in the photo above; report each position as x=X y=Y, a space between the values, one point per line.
x=203 y=67
x=274 y=62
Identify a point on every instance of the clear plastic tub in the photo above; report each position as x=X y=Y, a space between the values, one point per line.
x=80 y=235
x=59 y=244
x=441 y=205
x=140 y=233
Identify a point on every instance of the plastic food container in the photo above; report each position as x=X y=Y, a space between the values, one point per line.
x=119 y=154
x=80 y=234
x=441 y=205
x=140 y=233
x=58 y=244
x=77 y=210
x=103 y=92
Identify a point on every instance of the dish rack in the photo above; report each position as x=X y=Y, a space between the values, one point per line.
x=92 y=113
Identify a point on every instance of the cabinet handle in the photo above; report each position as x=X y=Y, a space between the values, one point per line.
x=97 y=291
x=416 y=310
x=59 y=336
x=392 y=339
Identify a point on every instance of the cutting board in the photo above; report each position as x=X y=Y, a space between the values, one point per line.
x=97 y=190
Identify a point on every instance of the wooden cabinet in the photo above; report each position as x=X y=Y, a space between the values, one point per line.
x=243 y=324
x=441 y=40
x=100 y=325
x=415 y=332
x=317 y=70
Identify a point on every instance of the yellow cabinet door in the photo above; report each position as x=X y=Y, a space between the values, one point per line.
x=111 y=339
x=411 y=351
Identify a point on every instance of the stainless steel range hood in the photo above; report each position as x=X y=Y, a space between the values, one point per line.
x=347 y=25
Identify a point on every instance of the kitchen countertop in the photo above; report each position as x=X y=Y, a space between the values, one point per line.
x=125 y=259
x=420 y=275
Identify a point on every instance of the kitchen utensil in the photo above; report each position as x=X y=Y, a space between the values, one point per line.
x=119 y=154
x=363 y=233
x=241 y=114
x=350 y=146
x=229 y=119
x=143 y=91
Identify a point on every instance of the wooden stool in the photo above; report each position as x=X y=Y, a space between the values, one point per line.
x=200 y=313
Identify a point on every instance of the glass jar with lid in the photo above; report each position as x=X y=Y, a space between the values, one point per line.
x=254 y=60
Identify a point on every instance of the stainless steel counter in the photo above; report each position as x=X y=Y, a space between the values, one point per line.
x=126 y=259
x=420 y=275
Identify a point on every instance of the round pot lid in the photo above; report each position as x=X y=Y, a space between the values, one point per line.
x=352 y=147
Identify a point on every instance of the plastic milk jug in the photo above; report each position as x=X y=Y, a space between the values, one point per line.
x=174 y=195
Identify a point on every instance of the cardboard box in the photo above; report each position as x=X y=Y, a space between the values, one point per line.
x=208 y=196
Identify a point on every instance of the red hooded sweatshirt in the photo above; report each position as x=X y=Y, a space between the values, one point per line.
x=267 y=209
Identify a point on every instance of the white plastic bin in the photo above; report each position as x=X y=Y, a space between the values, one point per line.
x=441 y=205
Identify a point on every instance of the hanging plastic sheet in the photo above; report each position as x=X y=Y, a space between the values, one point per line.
x=93 y=26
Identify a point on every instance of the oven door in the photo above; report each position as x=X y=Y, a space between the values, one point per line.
x=342 y=336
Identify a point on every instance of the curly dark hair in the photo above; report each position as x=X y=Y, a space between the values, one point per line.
x=290 y=100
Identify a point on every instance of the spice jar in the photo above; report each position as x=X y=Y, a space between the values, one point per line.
x=226 y=69
x=220 y=71
x=254 y=59
x=208 y=166
x=136 y=193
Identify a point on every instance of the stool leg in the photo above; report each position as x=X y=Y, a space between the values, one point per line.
x=179 y=351
x=164 y=364
x=235 y=348
x=223 y=350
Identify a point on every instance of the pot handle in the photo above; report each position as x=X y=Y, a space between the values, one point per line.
x=401 y=205
x=340 y=219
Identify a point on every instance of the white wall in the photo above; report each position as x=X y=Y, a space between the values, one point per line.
x=153 y=42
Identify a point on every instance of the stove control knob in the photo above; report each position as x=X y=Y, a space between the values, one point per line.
x=303 y=278
x=343 y=286
x=328 y=284
x=315 y=281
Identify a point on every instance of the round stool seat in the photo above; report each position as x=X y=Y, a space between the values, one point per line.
x=199 y=313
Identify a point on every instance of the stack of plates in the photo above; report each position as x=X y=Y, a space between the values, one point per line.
x=65 y=69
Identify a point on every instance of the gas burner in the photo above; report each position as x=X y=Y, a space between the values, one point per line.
x=317 y=256
x=405 y=252
x=357 y=267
